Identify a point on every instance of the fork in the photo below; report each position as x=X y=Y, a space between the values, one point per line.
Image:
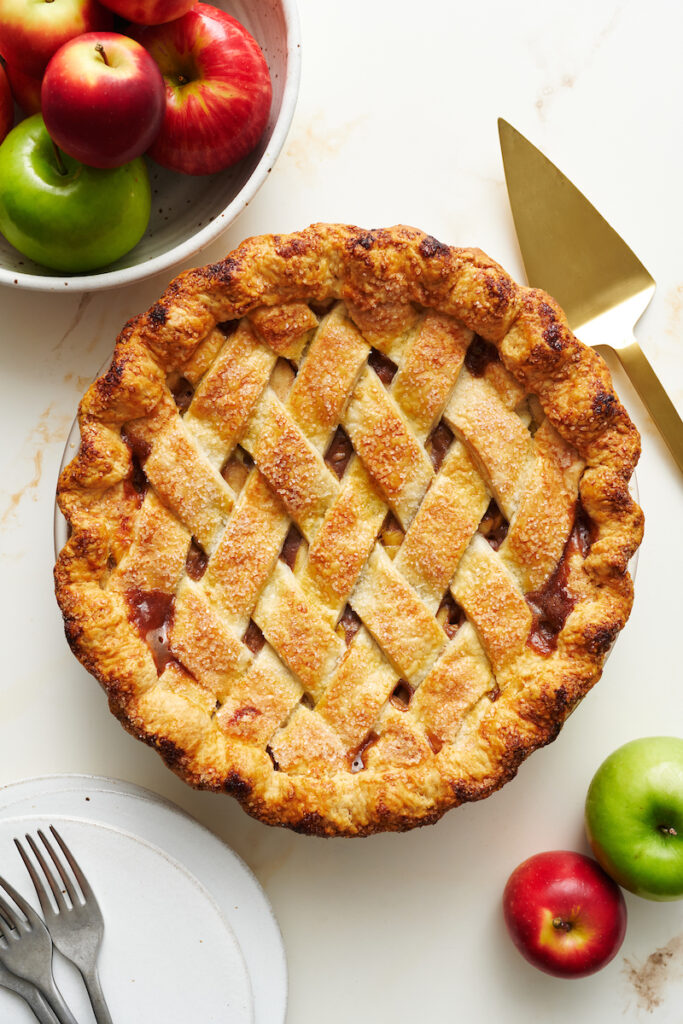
x=27 y=951
x=76 y=930
x=29 y=993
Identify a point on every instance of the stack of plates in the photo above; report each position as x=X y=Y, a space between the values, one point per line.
x=189 y=933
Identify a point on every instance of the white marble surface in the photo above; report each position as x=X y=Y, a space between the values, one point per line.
x=397 y=122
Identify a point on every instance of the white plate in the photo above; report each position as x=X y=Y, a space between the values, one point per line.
x=190 y=935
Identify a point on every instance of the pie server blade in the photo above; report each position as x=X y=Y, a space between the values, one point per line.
x=570 y=251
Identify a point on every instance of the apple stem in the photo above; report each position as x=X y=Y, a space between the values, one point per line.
x=58 y=157
x=100 y=49
x=561 y=925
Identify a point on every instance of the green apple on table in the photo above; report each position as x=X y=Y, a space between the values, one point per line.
x=63 y=214
x=634 y=816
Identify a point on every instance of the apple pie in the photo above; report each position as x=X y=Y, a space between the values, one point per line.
x=350 y=527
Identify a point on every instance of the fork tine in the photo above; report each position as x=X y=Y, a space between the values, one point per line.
x=3 y=914
x=25 y=907
x=56 y=891
x=68 y=884
x=88 y=894
x=7 y=918
x=43 y=898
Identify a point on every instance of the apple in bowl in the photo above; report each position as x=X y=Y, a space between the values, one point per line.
x=63 y=214
x=634 y=816
x=32 y=30
x=190 y=212
x=25 y=88
x=218 y=90
x=103 y=99
x=149 y=12
x=564 y=914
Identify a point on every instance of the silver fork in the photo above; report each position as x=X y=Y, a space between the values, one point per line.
x=76 y=930
x=27 y=950
x=29 y=993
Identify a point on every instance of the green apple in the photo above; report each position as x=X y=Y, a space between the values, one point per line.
x=634 y=816
x=63 y=214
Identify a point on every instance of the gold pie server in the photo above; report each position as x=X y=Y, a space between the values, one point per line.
x=571 y=252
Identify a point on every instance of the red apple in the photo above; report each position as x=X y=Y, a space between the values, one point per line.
x=25 y=89
x=6 y=105
x=103 y=99
x=32 y=30
x=564 y=914
x=149 y=12
x=218 y=90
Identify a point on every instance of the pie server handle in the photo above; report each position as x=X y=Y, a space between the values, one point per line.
x=654 y=397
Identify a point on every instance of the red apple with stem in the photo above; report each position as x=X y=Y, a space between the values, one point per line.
x=218 y=90
x=564 y=914
x=6 y=105
x=25 y=89
x=149 y=12
x=32 y=30
x=103 y=99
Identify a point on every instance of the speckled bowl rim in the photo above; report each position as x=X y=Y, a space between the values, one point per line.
x=208 y=234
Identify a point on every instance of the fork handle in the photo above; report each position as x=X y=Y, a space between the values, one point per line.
x=57 y=1004
x=97 y=1000
x=655 y=398
x=41 y=1010
x=30 y=994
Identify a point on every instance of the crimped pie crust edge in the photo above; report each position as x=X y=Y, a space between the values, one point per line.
x=365 y=269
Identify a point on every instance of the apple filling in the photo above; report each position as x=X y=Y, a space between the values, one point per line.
x=401 y=695
x=338 y=455
x=357 y=760
x=196 y=561
x=152 y=613
x=236 y=470
x=391 y=535
x=552 y=604
x=494 y=525
x=479 y=355
x=450 y=615
x=137 y=483
x=383 y=367
x=182 y=391
x=349 y=624
x=253 y=638
x=292 y=552
x=438 y=443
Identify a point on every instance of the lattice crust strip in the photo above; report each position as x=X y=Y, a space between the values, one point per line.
x=350 y=558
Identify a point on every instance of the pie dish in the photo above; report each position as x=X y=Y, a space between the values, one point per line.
x=350 y=527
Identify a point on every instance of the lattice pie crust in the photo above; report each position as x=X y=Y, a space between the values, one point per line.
x=350 y=526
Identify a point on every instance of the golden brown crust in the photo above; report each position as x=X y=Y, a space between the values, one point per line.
x=407 y=716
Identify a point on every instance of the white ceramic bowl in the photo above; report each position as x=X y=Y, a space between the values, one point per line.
x=190 y=212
